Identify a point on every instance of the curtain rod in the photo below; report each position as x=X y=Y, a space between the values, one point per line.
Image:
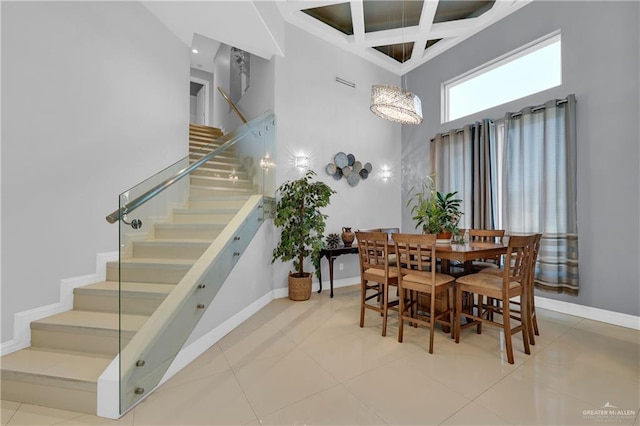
x=514 y=115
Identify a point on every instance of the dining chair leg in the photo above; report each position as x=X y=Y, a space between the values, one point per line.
x=525 y=330
x=480 y=303
x=458 y=310
x=385 y=299
x=450 y=306
x=363 y=296
x=432 y=321
x=506 y=325
x=527 y=317
x=401 y=309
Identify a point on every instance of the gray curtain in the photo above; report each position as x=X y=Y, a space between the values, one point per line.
x=539 y=188
x=466 y=161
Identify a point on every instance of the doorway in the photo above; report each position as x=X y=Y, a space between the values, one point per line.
x=199 y=101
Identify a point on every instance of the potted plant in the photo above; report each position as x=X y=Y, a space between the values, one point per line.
x=302 y=225
x=435 y=212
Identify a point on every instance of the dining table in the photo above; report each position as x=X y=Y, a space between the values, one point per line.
x=466 y=253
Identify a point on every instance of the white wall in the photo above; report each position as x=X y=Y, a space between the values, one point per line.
x=319 y=117
x=600 y=54
x=92 y=106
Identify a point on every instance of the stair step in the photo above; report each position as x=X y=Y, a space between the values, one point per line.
x=187 y=230
x=224 y=170
x=171 y=248
x=219 y=173
x=217 y=202
x=125 y=297
x=204 y=129
x=206 y=191
x=85 y=331
x=160 y=271
x=66 y=380
x=217 y=216
x=220 y=182
x=223 y=157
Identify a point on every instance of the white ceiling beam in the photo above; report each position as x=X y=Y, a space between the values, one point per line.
x=357 y=19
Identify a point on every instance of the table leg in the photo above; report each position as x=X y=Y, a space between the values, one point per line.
x=320 y=274
x=331 y=259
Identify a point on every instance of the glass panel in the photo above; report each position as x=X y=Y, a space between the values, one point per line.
x=337 y=16
x=389 y=14
x=169 y=269
x=400 y=52
x=452 y=10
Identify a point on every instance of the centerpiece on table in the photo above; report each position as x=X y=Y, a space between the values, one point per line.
x=433 y=211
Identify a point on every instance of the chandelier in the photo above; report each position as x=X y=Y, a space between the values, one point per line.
x=396 y=104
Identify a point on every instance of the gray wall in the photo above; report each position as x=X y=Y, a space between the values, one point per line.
x=600 y=54
x=92 y=105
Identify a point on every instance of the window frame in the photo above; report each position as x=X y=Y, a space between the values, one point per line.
x=507 y=58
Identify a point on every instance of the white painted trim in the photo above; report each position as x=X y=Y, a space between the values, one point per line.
x=596 y=314
x=22 y=320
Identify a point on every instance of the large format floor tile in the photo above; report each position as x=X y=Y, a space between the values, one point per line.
x=310 y=363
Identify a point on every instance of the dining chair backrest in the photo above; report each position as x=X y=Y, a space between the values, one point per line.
x=373 y=248
x=389 y=231
x=486 y=235
x=518 y=259
x=416 y=253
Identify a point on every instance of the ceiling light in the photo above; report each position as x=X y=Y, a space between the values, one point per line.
x=396 y=104
x=194 y=50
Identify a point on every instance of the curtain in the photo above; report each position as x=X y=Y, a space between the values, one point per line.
x=466 y=161
x=539 y=188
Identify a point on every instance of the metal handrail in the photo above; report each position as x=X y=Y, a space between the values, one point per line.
x=232 y=137
x=232 y=105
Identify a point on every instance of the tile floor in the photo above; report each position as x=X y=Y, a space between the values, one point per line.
x=310 y=363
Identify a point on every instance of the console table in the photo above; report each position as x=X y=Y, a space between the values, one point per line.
x=331 y=254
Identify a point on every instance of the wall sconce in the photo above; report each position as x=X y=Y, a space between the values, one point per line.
x=301 y=161
x=385 y=173
x=266 y=163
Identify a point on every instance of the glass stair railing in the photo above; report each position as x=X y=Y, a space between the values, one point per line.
x=186 y=227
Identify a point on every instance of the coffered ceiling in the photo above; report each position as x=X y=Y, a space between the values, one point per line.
x=395 y=34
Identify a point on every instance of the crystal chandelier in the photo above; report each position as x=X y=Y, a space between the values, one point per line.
x=396 y=104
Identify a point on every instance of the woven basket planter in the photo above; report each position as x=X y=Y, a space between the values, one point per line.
x=299 y=288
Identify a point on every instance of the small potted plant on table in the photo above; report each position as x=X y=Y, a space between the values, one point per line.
x=302 y=226
x=433 y=211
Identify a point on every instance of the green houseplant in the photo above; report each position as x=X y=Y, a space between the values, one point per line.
x=302 y=225
x=435 y=212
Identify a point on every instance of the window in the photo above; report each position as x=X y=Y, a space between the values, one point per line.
x=530 y=69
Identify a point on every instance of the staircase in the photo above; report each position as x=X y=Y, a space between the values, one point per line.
x=69 y=351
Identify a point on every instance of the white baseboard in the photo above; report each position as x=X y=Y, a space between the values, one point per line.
x=283 y=292
x=596 y=314
x=22 y=320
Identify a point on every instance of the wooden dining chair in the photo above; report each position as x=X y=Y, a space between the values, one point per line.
x=418 y=278
x=376 y=275
x=486 y=236
x=530 y=314
x=503 y=288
